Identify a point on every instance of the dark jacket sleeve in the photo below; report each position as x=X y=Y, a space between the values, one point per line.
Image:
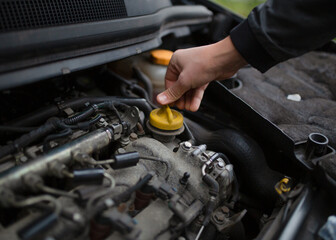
x=281 y=29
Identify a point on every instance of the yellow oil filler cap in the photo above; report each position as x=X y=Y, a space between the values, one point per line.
x=165 y=118
x=161 y=56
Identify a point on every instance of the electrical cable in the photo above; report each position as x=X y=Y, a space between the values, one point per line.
x=42 y=114
x=50 y=126
x=34 y=200
x=81 y=116
x=56 y=192
x=132 y=86
x=64 y=133
x=142 y=77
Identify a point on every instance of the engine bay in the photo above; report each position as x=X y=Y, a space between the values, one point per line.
x=86 y=152
x=93 y=164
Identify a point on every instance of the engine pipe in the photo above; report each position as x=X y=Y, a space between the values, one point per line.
x=28 y=138
x=213 y=192
x=50 y=126
x=88 y=144
x=145 y=80
x=42 y=114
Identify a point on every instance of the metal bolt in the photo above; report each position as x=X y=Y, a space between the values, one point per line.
x=121 y=150
x=220 y=165
x=225 y=210
x=200 y=219
x=124 y=141
x=65 y=71
x=187 y=145
x=23 y=159
x=219 y=217
x=109 y=202
x=185 y=178
x=77 y=217
x=140 y=129
x=133 y=136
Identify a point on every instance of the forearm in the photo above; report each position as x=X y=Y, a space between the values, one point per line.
x=226 y=60
x=282 y=29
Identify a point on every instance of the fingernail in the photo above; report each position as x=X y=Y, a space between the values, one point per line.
x=162 y=98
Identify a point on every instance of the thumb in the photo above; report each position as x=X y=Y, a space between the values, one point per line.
x=172 y=94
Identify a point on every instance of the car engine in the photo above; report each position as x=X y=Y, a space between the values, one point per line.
x=97 y=167
x=87 y=153
x=101 y=161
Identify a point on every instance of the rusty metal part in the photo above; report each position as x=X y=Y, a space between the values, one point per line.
x=223 y=218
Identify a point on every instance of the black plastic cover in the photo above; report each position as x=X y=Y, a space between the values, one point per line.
x=91 y=175
x=34 y=228
x=126 y=160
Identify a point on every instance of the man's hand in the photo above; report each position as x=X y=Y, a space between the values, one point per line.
x=190 y=71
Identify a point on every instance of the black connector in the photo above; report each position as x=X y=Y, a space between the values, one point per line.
x=89 y=176
x=184 y=179
x=317 y=145
x=36 y=227
x=125 y=160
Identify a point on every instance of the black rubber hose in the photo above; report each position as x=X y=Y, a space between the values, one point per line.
x=247 y=158
x=44 y=130
x=145 y=80
x=188 y=134
x=41 y=115
x=212 y=184
x=81 y=125
x=82 y=116
x=34 y=228
x=28 y=138
x=213 y=191
x=16 y=129
x=132 y=86
x=64 y=133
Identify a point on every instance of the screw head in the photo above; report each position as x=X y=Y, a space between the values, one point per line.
x=133 y=136
x=187 y=145
x=77 y=217
x=23 y=159
x=121 y=150
x=225 y=210
x=220 y=164
x=219 y=217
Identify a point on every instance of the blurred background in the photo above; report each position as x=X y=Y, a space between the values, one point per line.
x=241 y=7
